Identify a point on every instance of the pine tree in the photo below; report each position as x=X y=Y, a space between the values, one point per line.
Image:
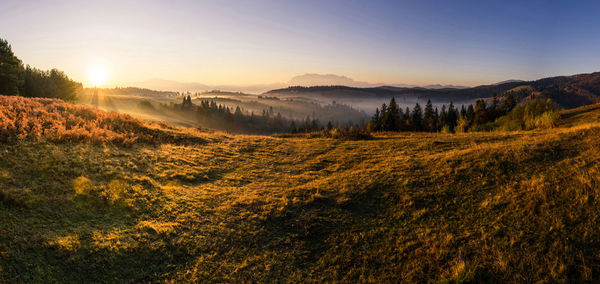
x=238 y=112
x=382 y=114
x=11 y=70
x=443 y=117
x=463 y=110
x=470 y=114
x=428 y=122
x=481 y=112
x=375 y=120
x=416 y=117
x=391 y=117
x=452 y=116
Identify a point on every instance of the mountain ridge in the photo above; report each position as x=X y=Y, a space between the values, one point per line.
x=567 y=91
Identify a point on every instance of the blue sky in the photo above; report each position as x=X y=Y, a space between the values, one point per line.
x=259 y=42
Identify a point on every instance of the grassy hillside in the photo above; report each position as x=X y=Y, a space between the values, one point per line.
x=566 y=91
x=514 y=206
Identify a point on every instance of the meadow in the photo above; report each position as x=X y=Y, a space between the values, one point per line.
x=149 y=202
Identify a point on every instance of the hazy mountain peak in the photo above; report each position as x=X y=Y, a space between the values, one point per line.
x=509 y=81
x=314 y=79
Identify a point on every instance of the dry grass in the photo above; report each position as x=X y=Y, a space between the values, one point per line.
x=39 y=119
x=410 y=207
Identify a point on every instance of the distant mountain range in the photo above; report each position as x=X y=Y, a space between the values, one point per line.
x=509 y=81
x=171 y=85
x=566 y=91
x=306 y=80
x=311 y=79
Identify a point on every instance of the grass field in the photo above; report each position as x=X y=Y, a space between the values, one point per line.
x=411 y=207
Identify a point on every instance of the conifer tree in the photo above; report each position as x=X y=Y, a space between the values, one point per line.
x=11 y=75
x=376 y=120
x=470 y=114
x=428 y=116
x=391 y=117
x=463 y=110
x=443 y=117
x=406 y=114
x=452 y=116
x=416 y=117
x=481 y=115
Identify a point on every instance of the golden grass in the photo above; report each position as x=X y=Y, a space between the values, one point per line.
x=40 y=119
x=408 y=207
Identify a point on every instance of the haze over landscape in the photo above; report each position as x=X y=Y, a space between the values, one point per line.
x=266 y=42
x=299 y=141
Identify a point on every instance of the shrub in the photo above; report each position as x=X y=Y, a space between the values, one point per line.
x=534 y=114
x=82 y=185
x=446 y=129
x=462 y=124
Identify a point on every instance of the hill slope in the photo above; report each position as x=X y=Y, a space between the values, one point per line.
x=406 y=207
x=567 y=91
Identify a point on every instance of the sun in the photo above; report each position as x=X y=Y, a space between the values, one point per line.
x=97 y=75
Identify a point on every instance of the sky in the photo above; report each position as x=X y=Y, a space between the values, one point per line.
x=261 y=42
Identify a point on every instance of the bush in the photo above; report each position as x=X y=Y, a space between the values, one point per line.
x=548 y=119
x=534 y=114
x=446 y=129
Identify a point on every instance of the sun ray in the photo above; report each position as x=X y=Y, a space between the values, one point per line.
x=97 y=76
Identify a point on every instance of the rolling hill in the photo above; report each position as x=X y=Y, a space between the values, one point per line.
x=211 y=207
x=567 y=91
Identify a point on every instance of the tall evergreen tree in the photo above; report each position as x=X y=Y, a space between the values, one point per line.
x=443 y=117
x=470 y=114
x=481 y=112
x=391 y=117
x=463 y=110
x=452 y=116
x=375 y=121
x=406 y=114
x=416 y=117
x=11 y=75
x=428 y=117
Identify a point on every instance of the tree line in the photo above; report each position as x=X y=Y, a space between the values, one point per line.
x=239 y=120
x=218 y=116
x=502 y=114
x=24 y=80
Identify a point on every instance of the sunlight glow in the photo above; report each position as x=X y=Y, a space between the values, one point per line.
x=97 y=75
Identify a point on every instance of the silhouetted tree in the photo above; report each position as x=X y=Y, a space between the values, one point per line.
x=481 y=115
x=508 y=104
x=11 y=77
x=452 y=116
x=429 y=124
x=470 y=114
x=391 y=117
x=416 y=117
x=375 y=120
x=50 y=84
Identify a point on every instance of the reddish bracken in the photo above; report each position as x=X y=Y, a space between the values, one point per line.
x=51 y=119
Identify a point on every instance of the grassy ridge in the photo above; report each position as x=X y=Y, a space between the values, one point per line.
x=506 y=206
x=41 y=119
